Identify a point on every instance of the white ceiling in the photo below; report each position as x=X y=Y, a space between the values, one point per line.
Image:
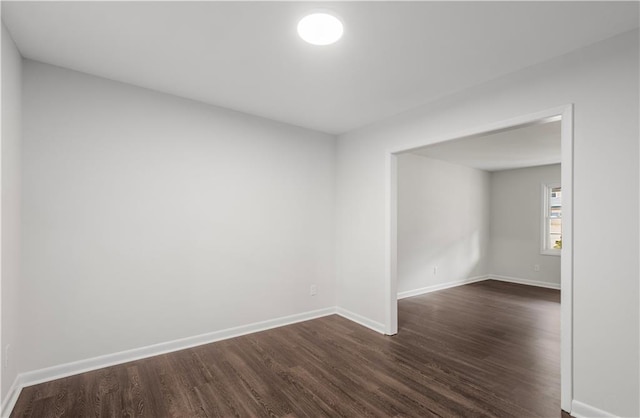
x=527 y=146
x=247 y=56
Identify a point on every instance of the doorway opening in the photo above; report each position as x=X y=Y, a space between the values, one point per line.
x=548 y=224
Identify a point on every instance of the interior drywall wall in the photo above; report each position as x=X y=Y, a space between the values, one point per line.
x=602 y=83
x=148 y=218
x=11 y=200
x=516 y=224
x=443 y=222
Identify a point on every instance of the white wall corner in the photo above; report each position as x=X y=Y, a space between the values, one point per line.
x=441 y=286
x=362 y=320
x=583 y=410
x=12 y=397
x=527 y=282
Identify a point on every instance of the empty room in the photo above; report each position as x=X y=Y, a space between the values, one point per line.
x=320 y=209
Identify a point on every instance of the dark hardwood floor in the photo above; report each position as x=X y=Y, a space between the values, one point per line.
x=484 y=349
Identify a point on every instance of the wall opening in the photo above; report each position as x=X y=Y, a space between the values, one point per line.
x=564 y=115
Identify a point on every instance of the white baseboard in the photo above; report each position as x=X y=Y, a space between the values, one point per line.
x=523 y=281
x=68 y=369
x=441 y=286
x=364 y=321
x=12 y=397
x=582 y=410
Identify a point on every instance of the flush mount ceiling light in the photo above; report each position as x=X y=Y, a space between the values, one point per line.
x=320 y=28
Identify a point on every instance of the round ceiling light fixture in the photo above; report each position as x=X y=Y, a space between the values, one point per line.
x=320 y=28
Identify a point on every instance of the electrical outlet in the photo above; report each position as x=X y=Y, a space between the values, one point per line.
x=435 y=270
x=313 y=290
x=536 y=267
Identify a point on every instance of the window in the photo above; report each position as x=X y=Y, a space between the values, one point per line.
x=551 y=219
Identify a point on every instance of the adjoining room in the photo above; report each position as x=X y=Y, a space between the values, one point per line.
x=486 y=206
x=481 y=216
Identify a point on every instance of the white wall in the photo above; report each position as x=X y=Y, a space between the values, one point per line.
x=602 y=82
x=516 y=223
x=10 y=222
x=443 y=222
x=148 y=218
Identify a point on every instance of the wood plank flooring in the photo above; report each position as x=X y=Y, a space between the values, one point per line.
x=484 y=349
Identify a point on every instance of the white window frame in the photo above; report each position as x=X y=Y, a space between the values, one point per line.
x=546 y=192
